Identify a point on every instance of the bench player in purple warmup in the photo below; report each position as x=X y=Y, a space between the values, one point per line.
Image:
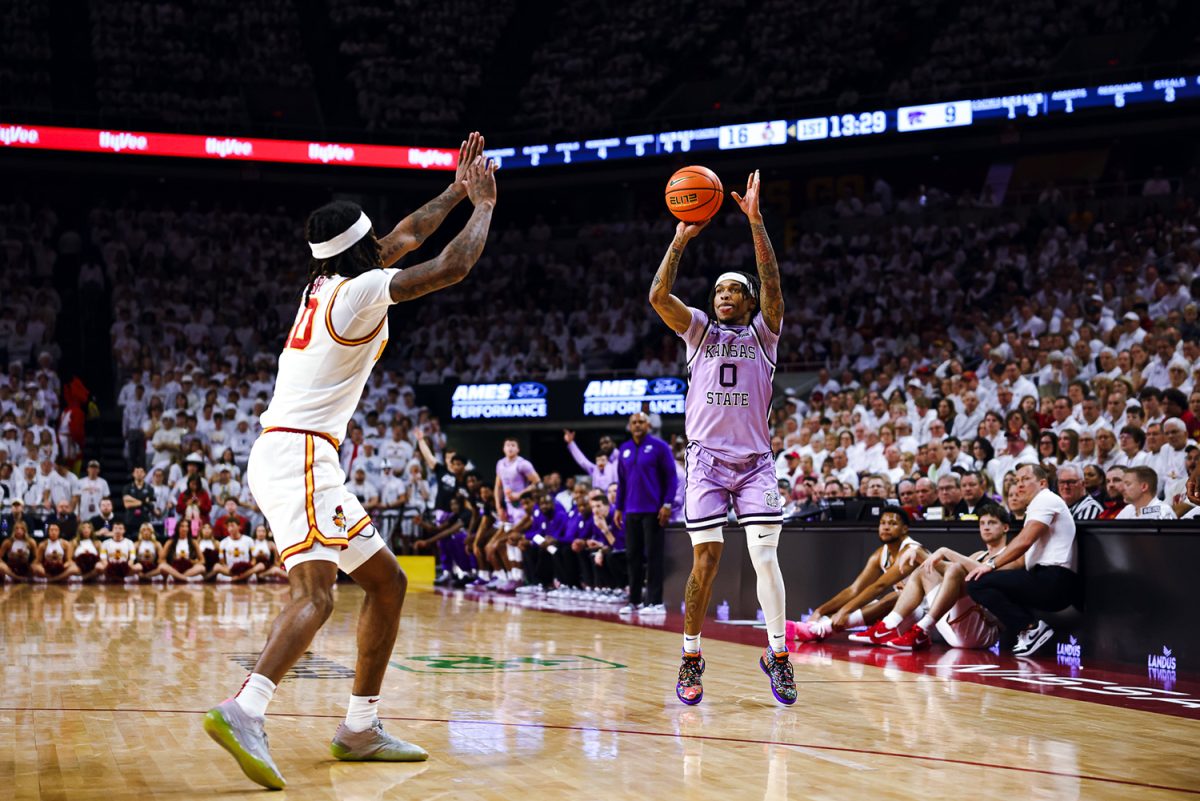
x=731 y=361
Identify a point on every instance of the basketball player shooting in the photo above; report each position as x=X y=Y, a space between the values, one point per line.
x=340 y=332
x=731 y=360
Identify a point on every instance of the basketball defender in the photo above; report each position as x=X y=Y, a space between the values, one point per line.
x=340 y=331
x=731 y=360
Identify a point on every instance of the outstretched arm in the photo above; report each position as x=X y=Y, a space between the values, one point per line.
x=411 y=232
x=771 y=302
x=673 y=311
x=455 y=262
x=424 y=450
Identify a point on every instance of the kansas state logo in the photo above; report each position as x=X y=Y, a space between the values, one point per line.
x=772 y=499
x=528 y=389
x=339 y=518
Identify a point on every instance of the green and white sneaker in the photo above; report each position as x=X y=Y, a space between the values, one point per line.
x=373 y=745
x=243 y=736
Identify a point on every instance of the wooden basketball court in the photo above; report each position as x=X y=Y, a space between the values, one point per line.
x=104 y=688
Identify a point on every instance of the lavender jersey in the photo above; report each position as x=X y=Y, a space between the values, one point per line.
x=730 y=369
x=514 y=476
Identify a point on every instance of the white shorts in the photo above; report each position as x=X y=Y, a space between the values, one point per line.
x=968 y=626
x=299 y=484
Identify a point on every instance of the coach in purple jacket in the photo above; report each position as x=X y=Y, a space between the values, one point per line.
x=646 y=484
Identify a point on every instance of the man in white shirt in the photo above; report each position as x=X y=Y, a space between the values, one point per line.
x=92 y=490
x=966 y=422
x=1140 y=491
x=1063 y=421
x=1049 y=582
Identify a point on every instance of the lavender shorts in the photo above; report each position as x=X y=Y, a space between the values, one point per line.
x=714 y=482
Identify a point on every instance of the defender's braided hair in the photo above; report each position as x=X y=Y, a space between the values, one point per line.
x=327 y=222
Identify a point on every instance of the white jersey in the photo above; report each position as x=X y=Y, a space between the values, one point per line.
x=85 y=547
x=146 y=551
x=336 y=340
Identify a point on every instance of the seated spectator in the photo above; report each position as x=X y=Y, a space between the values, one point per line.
x=1140 y=489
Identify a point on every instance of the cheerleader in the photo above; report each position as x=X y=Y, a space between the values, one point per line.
x=263 y=552
x=54 y=562
x=86 y=551
x=148 y=555
x=210 y=551
x=118 y=556
x=17 y=554
x=236 y=564
x=181 y=559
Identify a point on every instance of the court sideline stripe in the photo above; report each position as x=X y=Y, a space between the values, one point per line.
x=704 y=737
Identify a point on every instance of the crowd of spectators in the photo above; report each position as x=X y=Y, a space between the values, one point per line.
x=179 y=63
x=952 y=351
x=413 y=64
x=26 y=54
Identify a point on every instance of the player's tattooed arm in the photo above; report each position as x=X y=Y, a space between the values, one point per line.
x=411 y=232
x=454 y=263
x=768 y=277
x=673 y=311
x=771 y=297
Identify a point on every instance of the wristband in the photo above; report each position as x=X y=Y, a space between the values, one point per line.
x=538 y=539
x=553 y=549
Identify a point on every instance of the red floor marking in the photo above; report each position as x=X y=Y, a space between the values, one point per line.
x=1127 y=688
x=670 y=735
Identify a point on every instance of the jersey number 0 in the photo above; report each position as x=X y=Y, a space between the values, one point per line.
x=301 y=333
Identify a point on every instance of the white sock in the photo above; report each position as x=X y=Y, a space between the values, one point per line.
x=893 y=619
x=691 y=644
x=927 y=623
x=362 y=712
x=855 y=620
x=517 y=574
x=485 y=574
x=255 y=694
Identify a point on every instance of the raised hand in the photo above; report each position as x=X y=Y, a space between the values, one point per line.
x=481 y=181
x=749 y=203
x=688 y=231
x=468 y=151
x=568 y=436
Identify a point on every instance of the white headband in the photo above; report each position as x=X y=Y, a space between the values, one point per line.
x=343 y=241
x=741 y=279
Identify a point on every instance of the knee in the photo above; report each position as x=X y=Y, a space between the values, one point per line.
x=705 y=565
x=955 y=571
x=320 y=601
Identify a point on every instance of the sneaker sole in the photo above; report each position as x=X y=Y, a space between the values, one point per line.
x=343 y=753
x=921 y=647
x=784 y=701
x=255 y=769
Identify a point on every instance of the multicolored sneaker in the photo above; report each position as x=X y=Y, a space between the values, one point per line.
x=779 y=668
x=915 y=639
x=689 y=687
x=373 y=745
x=878 y=634
x=243 y=736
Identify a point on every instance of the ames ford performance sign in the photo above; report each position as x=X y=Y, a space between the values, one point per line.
x=626 y=396
x=498 y=401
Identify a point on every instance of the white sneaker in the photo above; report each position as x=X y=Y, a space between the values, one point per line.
x=223 y=579
x=252 y=580
x=629 y=609
x=1032 y=639
x=131 y=579
x=654 y=609
x=195 y=579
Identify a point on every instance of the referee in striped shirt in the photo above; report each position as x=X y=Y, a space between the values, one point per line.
x=1071 y=490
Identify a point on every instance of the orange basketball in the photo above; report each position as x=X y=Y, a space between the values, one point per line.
x=694 y=194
